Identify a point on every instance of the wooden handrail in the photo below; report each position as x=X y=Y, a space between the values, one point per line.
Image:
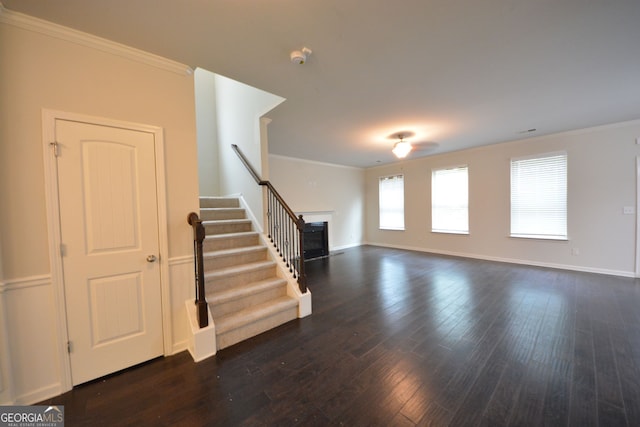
x=288 y=242
x=247 y=165
x=198 y=239
x=267 y=184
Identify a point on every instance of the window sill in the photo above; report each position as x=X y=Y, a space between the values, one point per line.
x=459 y=233
x=534 y=237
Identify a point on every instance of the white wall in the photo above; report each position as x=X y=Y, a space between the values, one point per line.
x=48 y=67
x=601 y=181
x=239 y=109
x=323 y=192
x=207 y=131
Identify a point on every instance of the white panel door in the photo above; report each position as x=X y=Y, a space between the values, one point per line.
x=110 y=247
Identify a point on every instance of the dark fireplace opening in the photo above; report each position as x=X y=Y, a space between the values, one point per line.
x=316 y=240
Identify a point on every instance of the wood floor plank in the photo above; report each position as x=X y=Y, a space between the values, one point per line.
x=472 y=407
x=417 y=405
x=435 y=416
x=584 y=369
x=607 y=379
x=583 y=408
x=504 y=396
x=629 y=369
x=529 y=405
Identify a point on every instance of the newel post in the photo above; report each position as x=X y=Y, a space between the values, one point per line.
x=302 y=277
x=198 y=239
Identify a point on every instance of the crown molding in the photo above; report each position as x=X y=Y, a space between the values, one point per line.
x=47 y=28
x=315 y=162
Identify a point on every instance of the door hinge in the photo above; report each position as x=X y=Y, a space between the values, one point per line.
x=69 y=347
x=56 y=149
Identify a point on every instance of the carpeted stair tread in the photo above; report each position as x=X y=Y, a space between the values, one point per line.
x=233 y=251
x=226 y=221
x=252 y=314
x=224 y=296
x=230 y=235
x=239 y=269
x=219 y=202
x=211 y=214
x=223 y=209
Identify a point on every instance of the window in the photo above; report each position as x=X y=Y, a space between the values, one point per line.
x=450 y=200
x=391 y=197
x=539 y=197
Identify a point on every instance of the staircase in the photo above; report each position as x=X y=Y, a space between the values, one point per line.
x=244 y=293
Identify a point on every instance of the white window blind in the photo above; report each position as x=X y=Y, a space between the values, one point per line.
x=539 y=197
x=391 y=202
x=450 y=200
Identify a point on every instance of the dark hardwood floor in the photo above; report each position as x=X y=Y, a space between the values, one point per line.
x=400 y=338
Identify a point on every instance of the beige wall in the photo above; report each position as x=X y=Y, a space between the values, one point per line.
x=323 y=192
x=207 y=130
x=39 y=71
x=44 y=72
x=601 y=181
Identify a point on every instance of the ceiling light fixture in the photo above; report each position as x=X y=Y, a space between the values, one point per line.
x=401 y=148
x=300 y=56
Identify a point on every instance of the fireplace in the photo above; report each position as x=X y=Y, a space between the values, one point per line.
x=316 y=240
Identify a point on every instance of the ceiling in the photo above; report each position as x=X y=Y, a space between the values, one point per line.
x=456 y=73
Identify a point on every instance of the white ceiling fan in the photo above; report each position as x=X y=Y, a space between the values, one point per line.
x=402 y=148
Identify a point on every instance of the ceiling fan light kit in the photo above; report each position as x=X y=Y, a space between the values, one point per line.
x=401 y=149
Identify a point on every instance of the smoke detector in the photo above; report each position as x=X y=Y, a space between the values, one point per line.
x=300 y=56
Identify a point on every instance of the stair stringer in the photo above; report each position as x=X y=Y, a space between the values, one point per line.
x=282 y=271
x=247 y=209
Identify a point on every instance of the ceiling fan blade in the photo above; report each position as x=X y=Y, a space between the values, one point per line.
x=425 y=146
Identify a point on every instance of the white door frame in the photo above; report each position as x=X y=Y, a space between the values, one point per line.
x=49 y=118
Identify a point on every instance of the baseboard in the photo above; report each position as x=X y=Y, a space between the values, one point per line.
x=342 y=247
x=39 y=395
x=179 y=347
x=620 y=273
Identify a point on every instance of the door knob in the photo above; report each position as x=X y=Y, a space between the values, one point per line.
x=151 y=258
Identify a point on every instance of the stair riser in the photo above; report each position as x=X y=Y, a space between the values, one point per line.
x=217 y=262
x=207 y=215
x=223 y=283
x=233 y=227
x=236 y=335
x=230 y=243
x=219 y=202
x=222 y=309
